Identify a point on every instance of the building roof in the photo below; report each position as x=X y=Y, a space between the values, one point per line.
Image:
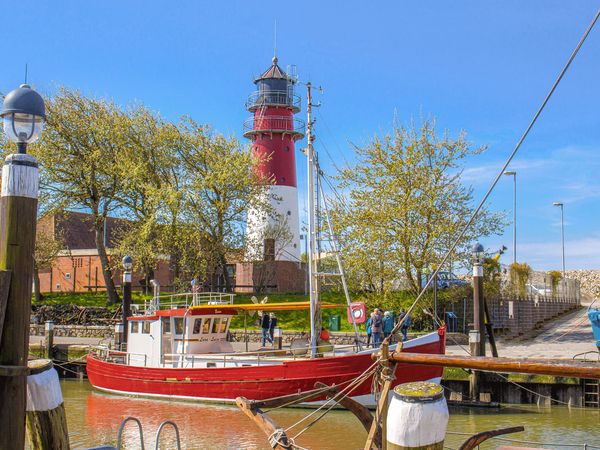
x=273 y=72
x=77 y=229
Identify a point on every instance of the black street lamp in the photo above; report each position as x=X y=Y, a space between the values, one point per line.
x=127 y=266
x=24 y=114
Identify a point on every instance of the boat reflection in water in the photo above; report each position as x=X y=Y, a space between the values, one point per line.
x=200 y=425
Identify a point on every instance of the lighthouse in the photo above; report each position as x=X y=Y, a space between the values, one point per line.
x=273 y=131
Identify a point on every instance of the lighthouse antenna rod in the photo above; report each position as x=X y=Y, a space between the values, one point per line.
x=313 y=284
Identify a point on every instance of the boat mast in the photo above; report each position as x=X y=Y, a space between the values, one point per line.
x=313 y=282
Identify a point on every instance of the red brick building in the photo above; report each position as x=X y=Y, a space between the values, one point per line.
x=78 y=268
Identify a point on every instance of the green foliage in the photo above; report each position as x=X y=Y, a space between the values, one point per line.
x=405 y=205
x=555 y=277
x=519 y=276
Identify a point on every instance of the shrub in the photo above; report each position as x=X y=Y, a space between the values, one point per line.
x=519 y=276
x=555 y=277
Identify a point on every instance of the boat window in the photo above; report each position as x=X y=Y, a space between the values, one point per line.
x=166 y=325
x=215 y=327
x=197 y=324
x=178 y=325
x=223 y=327
x=206 y=326
x=135 y=327
x=146 y=327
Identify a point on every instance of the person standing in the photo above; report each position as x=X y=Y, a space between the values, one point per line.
x=272 y=325
x=376 y=327
x=388 y=324
x=265 y=324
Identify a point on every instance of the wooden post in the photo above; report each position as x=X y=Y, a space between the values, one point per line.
x=49 y=339
x=46 y=419
x=477 y=336
x=18 y=211
x=126 y=303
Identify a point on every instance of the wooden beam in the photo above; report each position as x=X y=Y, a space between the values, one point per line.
x=292 y=398
x=265 y=423
x=478 y=438
x=512 y=365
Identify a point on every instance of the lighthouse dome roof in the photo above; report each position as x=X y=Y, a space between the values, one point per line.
x=273 y=72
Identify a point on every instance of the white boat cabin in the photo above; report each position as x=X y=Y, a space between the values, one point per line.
x=169 y=337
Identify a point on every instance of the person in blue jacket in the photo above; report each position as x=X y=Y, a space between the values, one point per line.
x=388 y=324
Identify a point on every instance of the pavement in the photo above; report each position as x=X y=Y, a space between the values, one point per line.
x=563 y=338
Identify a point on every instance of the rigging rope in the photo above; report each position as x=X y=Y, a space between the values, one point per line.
x=500 y=173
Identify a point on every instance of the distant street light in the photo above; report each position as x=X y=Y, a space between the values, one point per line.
x=562 y=233
x=514 y=175
x=23 y=114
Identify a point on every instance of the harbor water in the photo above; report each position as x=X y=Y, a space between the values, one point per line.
x=94 y=418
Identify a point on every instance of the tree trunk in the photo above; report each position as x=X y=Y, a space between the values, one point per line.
x=36 y=285
x=111 y=291
x=225 y=273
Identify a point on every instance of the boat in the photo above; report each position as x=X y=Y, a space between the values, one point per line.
x=177 y=348
x=177 y=345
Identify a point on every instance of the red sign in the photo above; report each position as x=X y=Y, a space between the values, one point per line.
x=359 y=311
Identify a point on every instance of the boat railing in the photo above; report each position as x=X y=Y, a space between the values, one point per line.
x=192 y=360
x=186 y=300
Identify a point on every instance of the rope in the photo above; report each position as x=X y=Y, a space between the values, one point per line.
x=500 y=173
x=334 y=399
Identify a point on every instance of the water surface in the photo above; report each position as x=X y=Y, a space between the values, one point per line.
x=94 y=418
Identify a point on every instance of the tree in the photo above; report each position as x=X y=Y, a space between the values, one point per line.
x=405 y=203
x=78 y=154
x=220 y=186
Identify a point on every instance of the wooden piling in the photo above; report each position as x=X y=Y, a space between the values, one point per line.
x=18 y=211
x=49 y=339
x=46 y=418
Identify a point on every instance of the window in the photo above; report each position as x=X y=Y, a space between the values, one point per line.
x=197 y=324
x=206 y=326
x=135 y=327
x=178 y=325
x=166 y=325
x=289 y=213
x=215 y=327
x=146 y=327
x=223 y=327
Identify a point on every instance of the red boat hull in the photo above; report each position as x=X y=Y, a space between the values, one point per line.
x=255 y=382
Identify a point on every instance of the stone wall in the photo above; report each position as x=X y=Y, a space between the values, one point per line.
x=98 y=331
x=589 y=280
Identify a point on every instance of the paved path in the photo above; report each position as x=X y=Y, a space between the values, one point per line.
x=562 y=338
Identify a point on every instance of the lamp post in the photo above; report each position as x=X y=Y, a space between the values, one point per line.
x=23 y=115
x=562 y=233
x=127 y=266
x=514 y=175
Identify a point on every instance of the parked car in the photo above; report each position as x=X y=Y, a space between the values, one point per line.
x=538 y=291
x=445 y=280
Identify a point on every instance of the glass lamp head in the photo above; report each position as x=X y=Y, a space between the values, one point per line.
x=127 y=263
x=23 y=115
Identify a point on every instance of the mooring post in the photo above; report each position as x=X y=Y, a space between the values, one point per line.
x=49 y=339
x=417 y=417
x=477 y=335
x=127 y=266
x=18 y=210
x=118 y=336
x=46 y=418
x=23 y=114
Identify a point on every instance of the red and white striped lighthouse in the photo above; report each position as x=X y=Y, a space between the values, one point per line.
x=273 y=131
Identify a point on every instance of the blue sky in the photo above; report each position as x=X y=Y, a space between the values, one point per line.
x=482 y=67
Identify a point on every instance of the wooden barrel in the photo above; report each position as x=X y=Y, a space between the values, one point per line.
x=417 y=417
